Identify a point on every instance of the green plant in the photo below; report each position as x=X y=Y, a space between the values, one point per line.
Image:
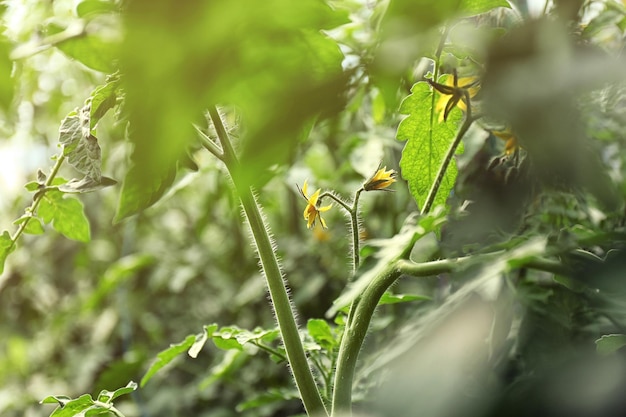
x=526 y=233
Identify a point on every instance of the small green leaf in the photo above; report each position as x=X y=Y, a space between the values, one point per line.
x=103 y=99
x=34 y=226
x=6 y=247
x=389 y=298
x=66 y=215
x=166 y=356
x=94 y=7
x=270 y=396
x=32 y=186
x=56 y=399
x=201 y=339
x=321 y=332
x=70 y=408
x=610 y=343
x=226 y=339
x=427 y=141
x=86 y=185
x=108 y=396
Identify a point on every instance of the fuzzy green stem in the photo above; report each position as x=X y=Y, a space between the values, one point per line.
x=278 y=292
x=353 y=337
x=354 y=222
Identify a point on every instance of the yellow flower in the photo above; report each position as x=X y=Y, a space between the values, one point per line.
x=313 y=209
x=381 y=180
x=507 y=135
x=452 y=93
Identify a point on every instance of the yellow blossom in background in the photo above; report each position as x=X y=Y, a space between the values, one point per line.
x=381 y=180
x=454 y=95
x=313 y=209
x=506 y=135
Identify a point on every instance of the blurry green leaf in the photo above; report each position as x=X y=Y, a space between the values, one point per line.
x=389 y=298
x=224 y=53
x=109 y=396
x=86 y=185
x=66 y=214
x=102 y=99
x=427 y=143
x=119 y=271
x=6 y=247
x=32 y=186
x=268 y=397
x=34 y=226
x=226 y=339
x=140 y=191
x=321 y=332
x=232 y=361
x=610 y=343
x=93 y=7
x=166 y=356
x=388 y=251
x=6 y=81
x=74 y=407
x=89 y=49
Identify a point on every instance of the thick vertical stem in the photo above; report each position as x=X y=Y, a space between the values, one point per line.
x=278 y=292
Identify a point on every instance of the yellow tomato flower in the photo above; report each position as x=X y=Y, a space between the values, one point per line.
x=313 y=209
x=506 y=135
x=451 y=94
x=381 y=180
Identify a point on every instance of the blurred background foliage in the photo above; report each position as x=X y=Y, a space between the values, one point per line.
x=311 y=90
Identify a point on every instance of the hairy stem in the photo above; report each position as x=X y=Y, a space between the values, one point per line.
x=278 y=292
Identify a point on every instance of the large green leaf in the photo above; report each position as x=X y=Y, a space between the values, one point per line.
x=428 y=140
x=610 y=343
x=267 y=58
x=66 y=215
x=90 y=49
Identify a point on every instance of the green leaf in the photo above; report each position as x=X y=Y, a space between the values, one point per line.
x=140 y=190
x=6 y=247
x=108 y=396
x=32 y=186
x=610 y=343
x=33 y=227
x=66 y=215
x=6 y=81
x=166 y=356
x=86 y=185
x=427 y=141
x=93 y=7
x=270 y=396
x=89 y=49
x=389 y=298
x=226 y=339
x=321 y=332
x=103 y=99
x=201 y=339
x=79 y=145
x=226 y=54
x=70 y=407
